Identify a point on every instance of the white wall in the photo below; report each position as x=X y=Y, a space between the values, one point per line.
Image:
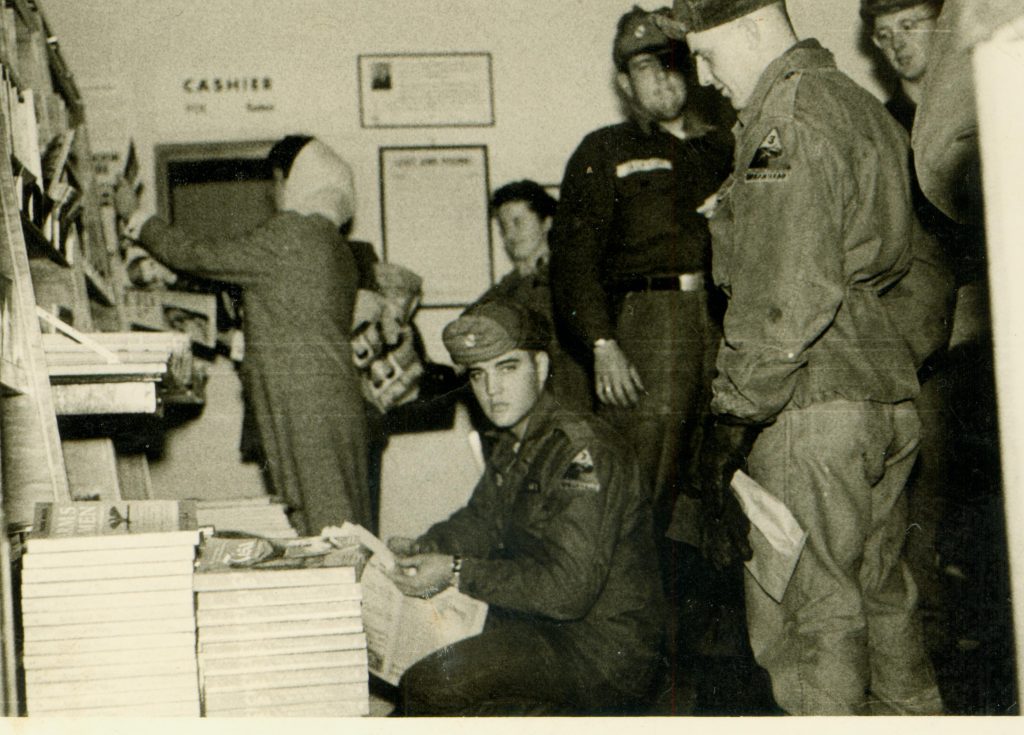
x=552 y=83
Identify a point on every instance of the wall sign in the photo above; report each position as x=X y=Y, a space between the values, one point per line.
x=434 y=214
x=425 y=90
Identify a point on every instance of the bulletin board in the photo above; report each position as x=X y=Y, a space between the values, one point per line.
x=435 y=220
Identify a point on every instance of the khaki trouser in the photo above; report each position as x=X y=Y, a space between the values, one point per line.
x=846 y=638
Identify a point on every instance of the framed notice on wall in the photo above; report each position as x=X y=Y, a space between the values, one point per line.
x=425 y=90
x=434 y=215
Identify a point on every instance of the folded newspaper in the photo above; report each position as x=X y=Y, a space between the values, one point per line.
x=775 y=535
x=401 y=630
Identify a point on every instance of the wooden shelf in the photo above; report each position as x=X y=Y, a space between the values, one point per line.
x=37 y=244
x=99 y=286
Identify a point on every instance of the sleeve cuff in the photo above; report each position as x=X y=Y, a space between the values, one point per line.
x=133 y=228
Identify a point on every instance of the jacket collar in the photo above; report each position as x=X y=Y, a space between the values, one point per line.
x=805 y=54
x=538 y=423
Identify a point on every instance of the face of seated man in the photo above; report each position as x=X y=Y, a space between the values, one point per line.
x=508 y=386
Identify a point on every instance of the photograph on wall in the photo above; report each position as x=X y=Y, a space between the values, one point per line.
x=425 y=90
x=434 y=214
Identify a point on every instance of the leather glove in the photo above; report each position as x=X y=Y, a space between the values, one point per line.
x=724 y=526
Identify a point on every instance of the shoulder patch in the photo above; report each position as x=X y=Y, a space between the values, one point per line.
x=580 y=474
x=768 y=163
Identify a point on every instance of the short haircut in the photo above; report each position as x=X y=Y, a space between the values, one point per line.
x=285 y=151
x=530 y=193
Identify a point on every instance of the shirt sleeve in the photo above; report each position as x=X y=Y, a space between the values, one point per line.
x=785 y=275
x=243 y=260
x=579 y=240
x=560 y=574
x=470 y=531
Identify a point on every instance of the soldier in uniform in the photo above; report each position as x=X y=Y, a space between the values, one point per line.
x=556 y=538
x=815 y=379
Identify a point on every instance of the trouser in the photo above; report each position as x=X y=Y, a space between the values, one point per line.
x=669 y=337
x=846 y=638
x=515 y=667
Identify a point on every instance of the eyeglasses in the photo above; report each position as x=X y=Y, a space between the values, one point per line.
x=885 y=36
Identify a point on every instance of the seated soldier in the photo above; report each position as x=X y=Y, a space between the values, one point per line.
x=556 y=538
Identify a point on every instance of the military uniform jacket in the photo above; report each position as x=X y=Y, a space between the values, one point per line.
x=559 y=529
x=809 y=232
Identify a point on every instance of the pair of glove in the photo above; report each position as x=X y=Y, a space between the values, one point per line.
x=724 y=527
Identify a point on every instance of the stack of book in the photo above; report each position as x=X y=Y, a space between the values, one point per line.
x=108 y=619
x=281 y=642
x=254 y=516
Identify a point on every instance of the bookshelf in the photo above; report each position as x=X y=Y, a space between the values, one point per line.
x=64 y=349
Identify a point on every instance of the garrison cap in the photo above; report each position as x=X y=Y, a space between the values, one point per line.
x=694 y=16
x=491 y=329
x=637 y=34
x=871 y=9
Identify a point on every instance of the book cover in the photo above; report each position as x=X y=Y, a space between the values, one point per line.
x=344 y=708
x=283 y=662
x=289 y=629
x=276 y=679
x=73 y=615
x=105 y=518
x=289 y=695
x=227 y=553
x=222 y=600
x=136 y=643
x=272 y=578
x=108 y=602
x=101 y=557
x=274 y=646
x=106 y=572
x=279 y=613
x=108 y=630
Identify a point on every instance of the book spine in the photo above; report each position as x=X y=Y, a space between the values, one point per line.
x=273 y=578
x=67 y=697
x=181 y=654
x=152 y=667
x=116 y=601
x=220 y=600
x=187 y=708
x=279 y=679
x=289 y=695
x=99 y=558
x=344 y=708
x=104 y=586
x=35 y=545
x=282 y=662
x=108 y=630
x=274 y=646
x=109 y=571
x=261 y=631
x=78 y=616
x=135 y=643
x=279 y=613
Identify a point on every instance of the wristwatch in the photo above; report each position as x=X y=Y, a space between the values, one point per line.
x=456 y=570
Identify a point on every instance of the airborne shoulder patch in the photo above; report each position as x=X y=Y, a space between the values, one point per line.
x=580 y=474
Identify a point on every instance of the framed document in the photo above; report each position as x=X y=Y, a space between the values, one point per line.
x=435 y=220
x=425 y=90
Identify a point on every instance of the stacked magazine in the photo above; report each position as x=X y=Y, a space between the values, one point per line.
x=281 y=640
x=107 y=610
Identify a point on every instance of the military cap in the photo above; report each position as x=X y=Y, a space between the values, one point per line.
x=491 y=329
x=870 y=9
x=637 y=33
x=694 y=16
